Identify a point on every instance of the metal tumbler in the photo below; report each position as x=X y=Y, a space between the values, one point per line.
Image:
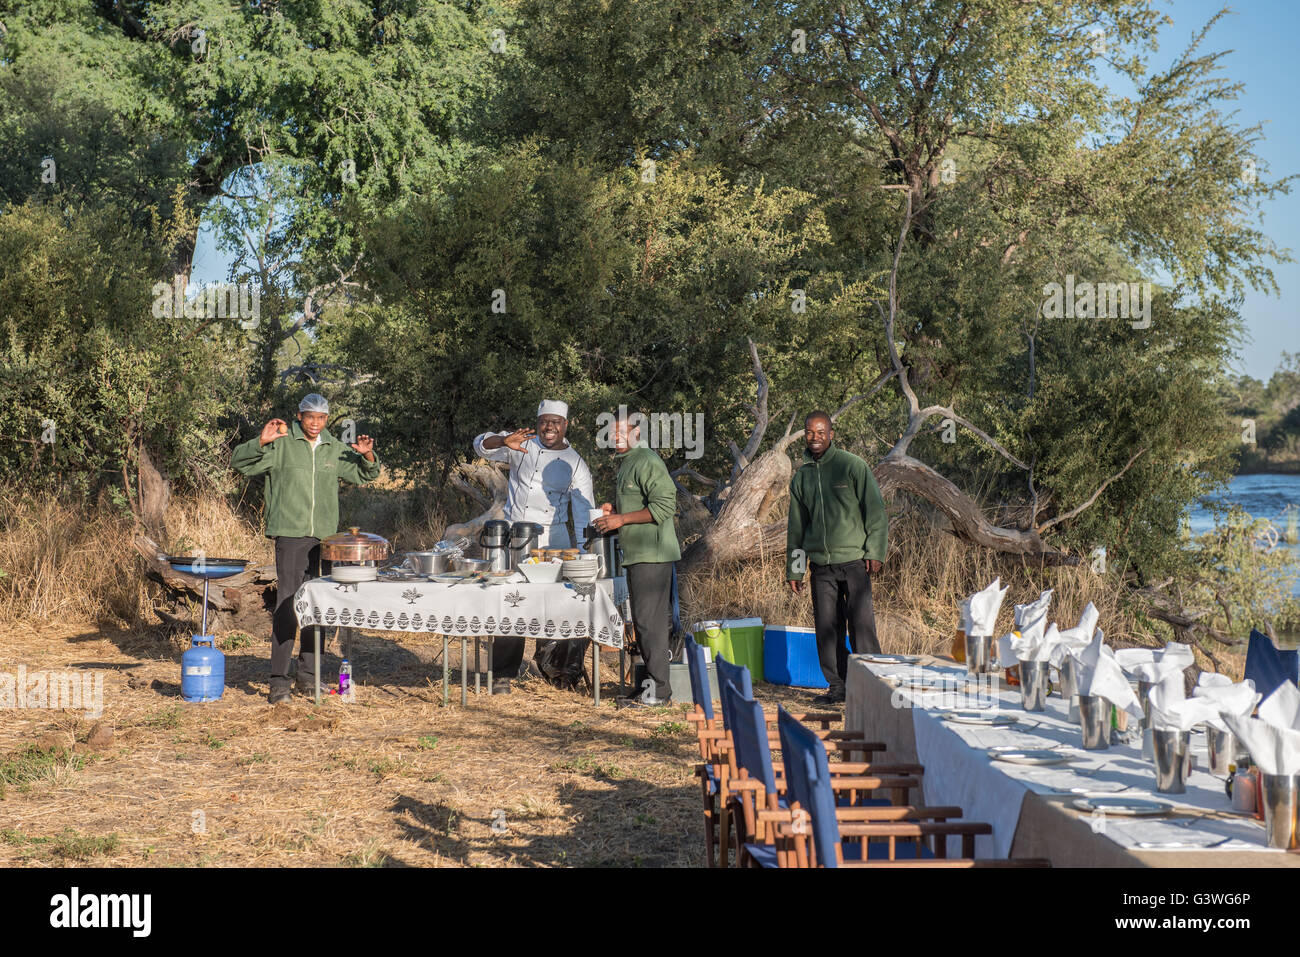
x=1070 y=687
x=979 y=654
x=1033 y=685
x=1144 y=699
x=1173 y=758
x=1094 y=719
x=1222 y=746
x=1280 y=804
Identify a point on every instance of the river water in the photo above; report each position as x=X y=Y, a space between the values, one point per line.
x=1263 y=496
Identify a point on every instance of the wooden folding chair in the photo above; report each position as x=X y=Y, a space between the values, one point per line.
x=809 y=833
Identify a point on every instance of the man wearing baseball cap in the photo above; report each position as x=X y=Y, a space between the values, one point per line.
x=549 y=482
x=302 y=466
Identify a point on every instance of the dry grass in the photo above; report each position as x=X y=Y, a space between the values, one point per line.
x=393 y=780
x=68 y=561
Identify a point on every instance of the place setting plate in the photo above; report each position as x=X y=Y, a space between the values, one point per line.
x=1128 y=807
x=883 y=659
x=983 y=718
x=1029 y=756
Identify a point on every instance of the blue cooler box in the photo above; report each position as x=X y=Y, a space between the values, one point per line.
x=790 y=657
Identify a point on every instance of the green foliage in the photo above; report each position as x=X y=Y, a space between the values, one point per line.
x=1275 y=411
x=648 y=187
x=88 y=375
x=615 y=290
x=1242 y=576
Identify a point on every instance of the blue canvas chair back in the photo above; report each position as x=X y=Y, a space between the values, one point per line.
x=1268 y=667
x=738 y=675
x=808 y=781
x=748 y=728
x=699 y=672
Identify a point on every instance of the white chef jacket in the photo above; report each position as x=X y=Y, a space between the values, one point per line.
x=546 y=486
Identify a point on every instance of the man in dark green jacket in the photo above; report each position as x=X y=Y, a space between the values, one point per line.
x=645 y=500
x=302 y=469
x=838 y=526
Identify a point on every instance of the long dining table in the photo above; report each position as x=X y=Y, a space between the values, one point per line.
x=920 y=710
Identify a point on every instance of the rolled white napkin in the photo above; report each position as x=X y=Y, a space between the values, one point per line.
x=1229 y=698
x=1100 y=674
x=984 y=608
x=1069 y=640
x=1172 y=711
x=1273 y=738
x=1155 y=664
x=1031 y=623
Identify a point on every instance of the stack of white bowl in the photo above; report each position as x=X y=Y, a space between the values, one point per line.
x=583 y=569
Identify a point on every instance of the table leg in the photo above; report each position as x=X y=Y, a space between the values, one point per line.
x=464 y=674
x=491 y=638
x=622 y=669
x=595 y=673
x=477 y=665
x=316 y=666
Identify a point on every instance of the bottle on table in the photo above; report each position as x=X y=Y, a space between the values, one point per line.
x=959 y=645
x=1243 y=790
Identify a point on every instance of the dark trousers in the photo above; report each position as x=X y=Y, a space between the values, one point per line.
x=841 y=596
x=649 y=588
x=507 y=656
x=557 y=659
x=296 y=560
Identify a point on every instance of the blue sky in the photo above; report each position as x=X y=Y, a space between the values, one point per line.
x=1261 y=35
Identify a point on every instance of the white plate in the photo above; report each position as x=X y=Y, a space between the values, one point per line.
x=1129 y=807
x=979 y=717
x=892 y=659
x=1030 y=756
x=350 y=574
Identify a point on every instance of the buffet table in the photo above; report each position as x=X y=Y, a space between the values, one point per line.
x=514 y=608
x=1031 y=807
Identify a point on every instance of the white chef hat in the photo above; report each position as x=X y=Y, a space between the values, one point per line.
x=553 y=407
x=315 y=402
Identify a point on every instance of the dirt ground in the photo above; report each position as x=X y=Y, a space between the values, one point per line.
x=541 y=777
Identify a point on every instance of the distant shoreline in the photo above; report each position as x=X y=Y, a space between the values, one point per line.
x=1270 y=468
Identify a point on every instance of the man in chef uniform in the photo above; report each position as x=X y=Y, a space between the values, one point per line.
x=549 y=483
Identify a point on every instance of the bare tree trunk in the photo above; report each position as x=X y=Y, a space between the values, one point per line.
x=485 y=483
x=739 y=532
x=155 y=494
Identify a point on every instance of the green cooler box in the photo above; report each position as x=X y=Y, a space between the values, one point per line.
x=739 y=640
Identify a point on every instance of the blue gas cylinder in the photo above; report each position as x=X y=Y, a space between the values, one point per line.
x=203 y=670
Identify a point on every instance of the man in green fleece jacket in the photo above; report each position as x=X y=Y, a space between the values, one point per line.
x=838 y=526
x=645 y=501
x=302 y=469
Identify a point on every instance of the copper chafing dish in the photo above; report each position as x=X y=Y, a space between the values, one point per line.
x=354 y=545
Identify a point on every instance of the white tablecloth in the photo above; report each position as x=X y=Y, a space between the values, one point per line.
x=959 y=769
x=514 y=609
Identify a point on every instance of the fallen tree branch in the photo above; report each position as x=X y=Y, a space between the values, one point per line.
x=904 y=473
